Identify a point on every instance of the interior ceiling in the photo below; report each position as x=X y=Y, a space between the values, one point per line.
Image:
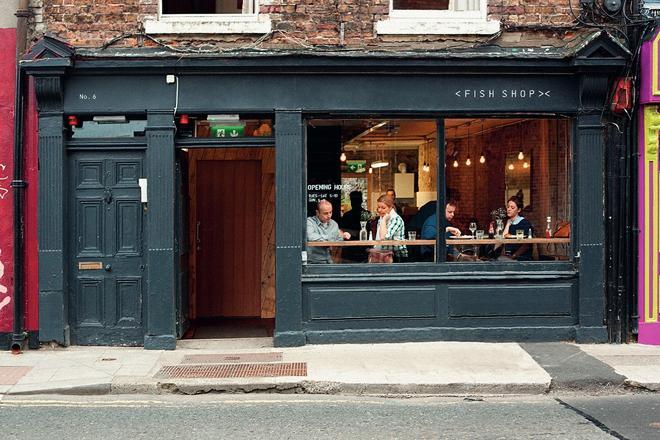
x=386 y=134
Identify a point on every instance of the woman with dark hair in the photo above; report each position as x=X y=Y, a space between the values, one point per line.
x=521 y=252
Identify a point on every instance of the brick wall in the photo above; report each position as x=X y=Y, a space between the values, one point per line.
x=91 y=23
x=481 y=188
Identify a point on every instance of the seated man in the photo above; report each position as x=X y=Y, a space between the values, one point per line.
x=430 y=231
x=321 y=227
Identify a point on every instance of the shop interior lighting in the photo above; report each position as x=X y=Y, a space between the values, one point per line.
x=455 y=163
x=521 y=155
x=379 y=164
x=426 y=167
x=120 y=119
x=342 y=157
x=371 y=170
x=525 y=165
x=511 y=167
x=482 y=158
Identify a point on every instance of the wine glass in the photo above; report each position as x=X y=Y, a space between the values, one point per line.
x=473 y=227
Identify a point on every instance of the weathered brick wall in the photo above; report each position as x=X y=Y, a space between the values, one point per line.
x=480 y=188
x=91 y=23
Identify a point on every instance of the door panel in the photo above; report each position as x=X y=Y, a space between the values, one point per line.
x=229 y=248
x=107 y=270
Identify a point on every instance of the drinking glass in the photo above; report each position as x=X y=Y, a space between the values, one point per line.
x=480 y=234
x=412 y=235
x=473 y=227
x=520 y=234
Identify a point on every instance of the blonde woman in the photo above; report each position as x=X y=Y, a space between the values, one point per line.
x=390 y=227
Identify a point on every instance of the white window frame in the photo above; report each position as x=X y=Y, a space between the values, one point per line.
x=250 y=23
x=439 y=22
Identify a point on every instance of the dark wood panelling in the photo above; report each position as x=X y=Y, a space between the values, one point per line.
x=511 y=300
x=371 y=302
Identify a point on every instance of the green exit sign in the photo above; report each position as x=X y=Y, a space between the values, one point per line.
x=227 y=131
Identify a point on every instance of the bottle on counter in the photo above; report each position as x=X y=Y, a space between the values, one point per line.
x=548 y=227
x=491 y=230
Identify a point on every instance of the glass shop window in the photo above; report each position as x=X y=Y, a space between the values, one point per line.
x=508 y=189
x=228 y=126
x=209 y=6
x=104 y=127
x=369 y=184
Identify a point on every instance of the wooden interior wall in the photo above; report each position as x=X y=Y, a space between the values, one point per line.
x=267 y=158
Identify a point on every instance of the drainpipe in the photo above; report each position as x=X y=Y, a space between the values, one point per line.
x=19 y=335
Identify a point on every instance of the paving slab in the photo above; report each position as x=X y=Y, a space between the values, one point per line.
x=639 y=363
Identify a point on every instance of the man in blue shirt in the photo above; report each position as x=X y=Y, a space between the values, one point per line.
x=322 y=227
x=430 y=229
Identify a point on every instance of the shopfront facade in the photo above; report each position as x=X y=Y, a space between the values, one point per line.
x=648 y=286
x=116 y=238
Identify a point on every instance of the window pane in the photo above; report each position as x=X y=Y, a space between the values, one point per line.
x=208 y=6
x=421 y=4
x=508 y=178
x=351 y=165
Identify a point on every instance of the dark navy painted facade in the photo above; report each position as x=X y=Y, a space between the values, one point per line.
x=314 y=304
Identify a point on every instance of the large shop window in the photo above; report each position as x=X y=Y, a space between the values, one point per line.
x=372 y=191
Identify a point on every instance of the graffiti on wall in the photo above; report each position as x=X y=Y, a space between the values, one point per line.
x=4 y=298
x=3 y=181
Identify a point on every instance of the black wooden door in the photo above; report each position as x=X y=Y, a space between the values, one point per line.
x=107 y=270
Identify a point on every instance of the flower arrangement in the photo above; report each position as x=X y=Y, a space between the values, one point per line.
x=498 y=214
x=365 y=216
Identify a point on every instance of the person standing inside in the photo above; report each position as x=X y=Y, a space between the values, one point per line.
x=321 y=227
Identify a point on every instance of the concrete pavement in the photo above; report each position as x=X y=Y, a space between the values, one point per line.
x=403 y=368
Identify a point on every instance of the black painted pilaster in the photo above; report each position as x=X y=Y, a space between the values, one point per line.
x=290 y=211
x=162 y=270
x=590 y=210
x=53 y=301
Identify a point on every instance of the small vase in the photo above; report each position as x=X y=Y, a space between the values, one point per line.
x=363 y=231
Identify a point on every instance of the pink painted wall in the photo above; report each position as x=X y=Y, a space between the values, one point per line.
x=7 y=79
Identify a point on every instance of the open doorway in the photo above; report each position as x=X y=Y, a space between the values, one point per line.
x=231 y=242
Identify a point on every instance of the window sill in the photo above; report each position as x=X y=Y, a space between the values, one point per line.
x=233 y=24
x=458 y=26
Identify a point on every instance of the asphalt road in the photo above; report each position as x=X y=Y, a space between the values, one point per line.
x=216 y=417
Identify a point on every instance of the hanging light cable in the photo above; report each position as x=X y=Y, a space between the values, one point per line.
x=482 y=157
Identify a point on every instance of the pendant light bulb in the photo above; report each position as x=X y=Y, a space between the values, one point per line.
x=511 y=166
x=468 y=162
x=482 y=159
x=371 y=170
x=521 y=156
x=525 y=165
x=455 y=164
x=342 y=157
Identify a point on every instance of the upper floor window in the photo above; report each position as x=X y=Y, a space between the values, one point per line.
x=208 y=7
x=209 y=17
x=414 y=17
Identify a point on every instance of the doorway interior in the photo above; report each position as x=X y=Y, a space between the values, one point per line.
x=230 y=202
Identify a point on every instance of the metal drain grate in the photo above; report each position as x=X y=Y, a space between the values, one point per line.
x=231 y=358
x=11 y=375
x=232 y=370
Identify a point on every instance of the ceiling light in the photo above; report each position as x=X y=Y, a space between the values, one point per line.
x=468 y=162
x=482 y=159
x=525 y=165
x=455 y=164
x=342 y=157
x=379 y=164
x=521 y=156
x=511 y=166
